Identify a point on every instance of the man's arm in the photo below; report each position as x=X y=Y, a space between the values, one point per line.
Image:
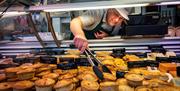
x=76 y=27
x=80 y=40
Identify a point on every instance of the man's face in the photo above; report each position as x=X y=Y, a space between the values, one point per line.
x=114 y=18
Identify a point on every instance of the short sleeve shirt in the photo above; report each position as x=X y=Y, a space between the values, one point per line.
x=91 y=18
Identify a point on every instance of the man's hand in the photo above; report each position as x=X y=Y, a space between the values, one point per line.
x=100 y=35
x=81 y=43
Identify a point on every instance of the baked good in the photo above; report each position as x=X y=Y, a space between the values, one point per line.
x=43 y=73
x=75 y=80
x=23 y=86
x=137 y=71
x=34 y=79
x=166 y=88
x=125 y=88
x=71 y=71
x=64 y=85
x=122 y=81
x=89 y=85
x=78 y=89
x=82 y=69
x=143 y=88
x=108 y=86
x=128 y=57
x=51 y=75
x=12 y=79
x=58 y=71
x=157 y=83
x=134 y=80
x=108 y=62
x=5 y=86
x=38 y=65
x=89 y=77
x=103 y=53
x=39 y=70
x=44 y=84
x=73 y=52
x=70 y=56
x=66 y=76
x=2 y=77
x=151 y=74
x=120 y=64
x=26 y=73
x=11 y=72
x=52 y=66
x=109 y=77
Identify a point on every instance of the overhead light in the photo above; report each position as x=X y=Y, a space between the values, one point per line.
x=93 y=8
x=11 y=14
x=169 y=3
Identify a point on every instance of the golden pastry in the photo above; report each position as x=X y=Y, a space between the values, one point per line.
x=78 y=89
x=11 y=72
x=26 y=73
x=125 y=88
x=34 y=79
x=64 y=85
x=51 y=75
x=38 y=65
x=128 y=57
x=73 y=52
x=44 y=84
x=108 y=86
x=89 y=86
x=43 y=73
x=58 y=71
x=143 y=88
x=109 y=77
x=5 y=86
x=23 y=86
x=52 y=66
x=89 y=77
x=103 y=53
x=66 y=76
x=122 y=81
x=2 y=77
x=134 y=79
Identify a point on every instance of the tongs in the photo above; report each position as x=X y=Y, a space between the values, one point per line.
x=95 y=68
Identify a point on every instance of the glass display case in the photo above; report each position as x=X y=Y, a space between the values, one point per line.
x=37 y=54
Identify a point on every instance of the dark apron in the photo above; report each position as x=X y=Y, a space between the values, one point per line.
x=90 y=33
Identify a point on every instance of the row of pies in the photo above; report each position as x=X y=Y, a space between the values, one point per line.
x=46 y=77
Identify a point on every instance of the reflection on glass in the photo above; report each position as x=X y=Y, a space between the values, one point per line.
x=14 y=28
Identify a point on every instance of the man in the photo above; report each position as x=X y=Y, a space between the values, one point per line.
x=96 y=24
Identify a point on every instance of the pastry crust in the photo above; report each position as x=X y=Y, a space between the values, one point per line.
x=103 y=53
x=43 y=73
x=89 y=85
x=143 y=88
x=22 y=85
x=45 y=82
x=51 y=75
x=109 y=77
x=73 y=52
x=11 y=72
x=122 y=81
x=2 y=77
x=63 y=83
x=134 y=79
x=89 y=77
x=5 y=86
x=108 y=86
x=66 y=76
x=125 y=88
